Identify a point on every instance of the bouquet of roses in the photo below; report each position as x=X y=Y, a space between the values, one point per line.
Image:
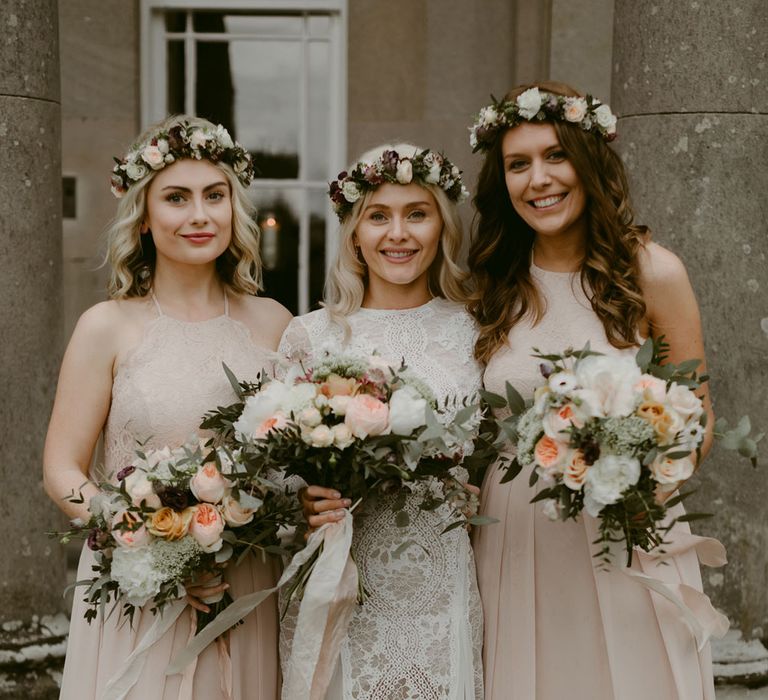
x=174 y=516
x=362 y=427
x=613 y=435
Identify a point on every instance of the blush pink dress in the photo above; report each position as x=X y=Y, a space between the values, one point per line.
x=556 y=626
x=159 y=395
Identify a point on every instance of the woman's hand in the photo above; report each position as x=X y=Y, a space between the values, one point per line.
x=198 y=590
x=321 y=505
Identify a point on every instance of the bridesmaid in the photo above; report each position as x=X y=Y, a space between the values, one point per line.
x=395 y=289
x=144 y=366
x=557 y=262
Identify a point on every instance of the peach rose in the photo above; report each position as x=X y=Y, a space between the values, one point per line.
x=670 y=472
x=550 y=455
x=575 y=471
x=366 y=416
x=169 y=524
x=234 y=513
x=137 y=536
x=208 y=484
x=666 y=423
x=206 y=527
x=335 y=385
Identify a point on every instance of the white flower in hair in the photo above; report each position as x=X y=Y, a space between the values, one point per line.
x=488 y=116
x=153 y=157
x=606 y=118
x=529 y=103
x=223 y=137
x=404 y=171
x=136 y=171
x=198 y=138
x=351 y=191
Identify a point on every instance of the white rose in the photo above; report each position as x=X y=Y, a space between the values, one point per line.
x=162 y=145
x=407 y=411
x=551 y=509
x=529 y=103
x=136 y=573
x=153 y=157
x=404 y=172
x=607 y=479
x=574 y=109
x=613 y=379
x=261 y=406
x=606 y=118
x=321 y=436
x=223 y=137
x=339 y=404
x=135 y=171
x=342 y=436
x=198 y=139
x=669 y=472
x=310 y=417
x=140 y=489
x=351 y=191
x=684 y=401
x=433 y=176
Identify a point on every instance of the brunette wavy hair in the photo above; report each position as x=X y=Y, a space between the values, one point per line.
x=131 y=256
x=500 y=252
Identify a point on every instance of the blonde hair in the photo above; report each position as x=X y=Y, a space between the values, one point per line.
x=131 y=256
x=345 y=285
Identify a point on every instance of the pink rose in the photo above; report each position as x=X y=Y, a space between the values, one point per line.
x=136 y=536
x=208 y=484
x=366 y=416
x=153 y=157
x=206 y=527
x=550 y=455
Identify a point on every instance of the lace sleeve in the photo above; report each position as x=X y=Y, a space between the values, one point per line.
x=295 y=342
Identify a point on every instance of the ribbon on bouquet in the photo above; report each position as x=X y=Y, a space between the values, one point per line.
x=693 y=606
x=329 y=599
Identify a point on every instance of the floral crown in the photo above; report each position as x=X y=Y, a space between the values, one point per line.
x=534 y=105
x=425 y=167
x=183 y=140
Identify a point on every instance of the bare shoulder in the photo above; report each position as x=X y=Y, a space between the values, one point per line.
x=660 y=267
x=265 y=318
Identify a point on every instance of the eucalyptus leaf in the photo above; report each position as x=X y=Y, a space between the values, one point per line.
x=512 y=471
x=493 y=400
x=514 y=400
x=645 y=355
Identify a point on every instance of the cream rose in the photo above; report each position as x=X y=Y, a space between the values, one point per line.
x=339 y=404
x=153 y=157
x=574 y=109
x=169 y=524
x=529 y=103
x=684 y=402
x=320 y=436
x=351 y=191
x=209 y=484
x=136 y=536
x=206 y=527
x=366 y=416
x=223 y=137
x=139 y=488
x=575 y=471
x=235 y=513
x=135 y=171
x=606 y=118
x=404 y=172
x=550 y=455
x=342 y=436
x=651 y=388
x=670 y=472
x=334 y=385
x=310 y=417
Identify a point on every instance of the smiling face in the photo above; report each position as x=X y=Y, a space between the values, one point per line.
x=543 y=186
x=189 y=212
x=399 y=235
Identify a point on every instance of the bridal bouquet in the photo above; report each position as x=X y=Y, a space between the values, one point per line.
x=613 y=435
x=174 y=516
x=361 y=427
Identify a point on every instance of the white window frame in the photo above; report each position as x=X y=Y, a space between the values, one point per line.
x=153 y=100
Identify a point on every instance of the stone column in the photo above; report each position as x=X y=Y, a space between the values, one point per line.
x=691 y=87
x=30 y=286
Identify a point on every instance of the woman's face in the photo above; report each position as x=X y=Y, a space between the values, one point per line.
x=189 y=212
x=398 y=235
x=543 y=186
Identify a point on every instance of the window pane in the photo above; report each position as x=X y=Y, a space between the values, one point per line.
x=272 y=25
x=215 y=90
x=175 y=21
x=265 y=78
x=176 y=82
x=318 y=205
x=319 y=111
x=319 y=25
x=278 y=219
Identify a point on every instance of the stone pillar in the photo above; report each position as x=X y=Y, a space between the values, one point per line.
x=690 y=84
x=33 y=569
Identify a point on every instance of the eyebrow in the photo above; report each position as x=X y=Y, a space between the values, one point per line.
x=186 y=189
x=409 y=204
x=553 y=147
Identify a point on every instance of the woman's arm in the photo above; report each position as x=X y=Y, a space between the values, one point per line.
x=80 y=409
x=672 y=312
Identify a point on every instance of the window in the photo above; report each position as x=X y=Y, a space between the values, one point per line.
x=274 y=74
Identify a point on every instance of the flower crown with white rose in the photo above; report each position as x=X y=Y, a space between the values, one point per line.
x=183 y=140
x=536 y=105
x=426 y=168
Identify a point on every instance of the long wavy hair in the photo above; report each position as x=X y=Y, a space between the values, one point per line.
x=502 y=243
x=348 y=276
x=131 y=256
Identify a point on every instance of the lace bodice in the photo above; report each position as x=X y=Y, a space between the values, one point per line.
x=419 y=634
x=175 y=374
x=569 y=321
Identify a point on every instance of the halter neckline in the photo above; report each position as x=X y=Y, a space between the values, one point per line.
x=161 y=314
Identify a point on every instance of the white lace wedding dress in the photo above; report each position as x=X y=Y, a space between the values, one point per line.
x=418 y=636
